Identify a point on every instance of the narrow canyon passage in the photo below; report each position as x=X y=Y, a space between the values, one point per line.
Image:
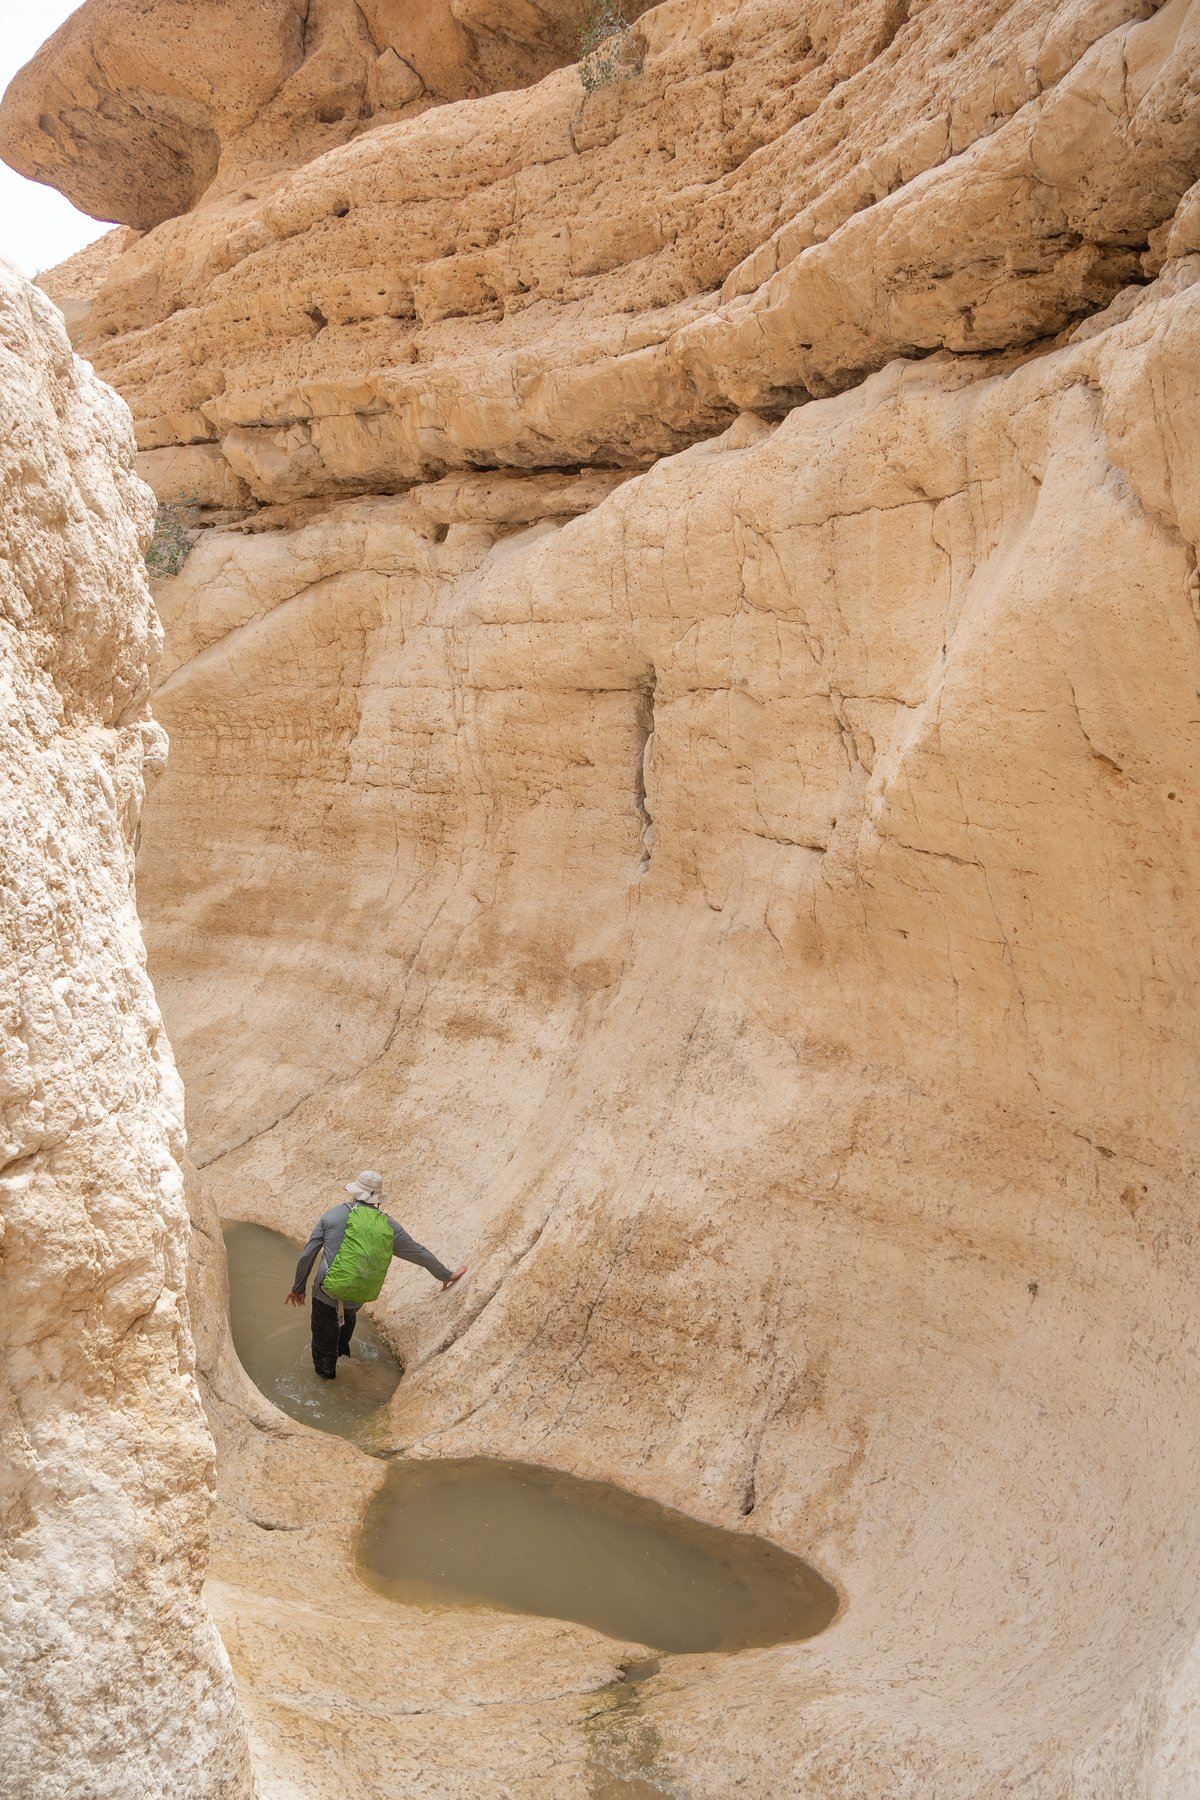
x=680 y=646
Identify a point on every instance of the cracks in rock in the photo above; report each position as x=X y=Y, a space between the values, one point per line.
x=617 y=1253
x=1100 y=1149
x=137 y=1319
x=749 y=1499
x=16 y=1164
x=208 y=653
x=1099 y=755
x=407 y=1006
x=783 y=1384
x=816 y=650
x=620 y=1251
x=837 y=702
x=964 y=862
x=261 y=1130
x=1018 y=990
x=364 y=25
x=644 y=721
x=345 y=1077
x=1193 y=584
x=472 y=1313
x=817 y=845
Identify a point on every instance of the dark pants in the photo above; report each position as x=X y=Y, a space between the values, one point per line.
x=329 y=1340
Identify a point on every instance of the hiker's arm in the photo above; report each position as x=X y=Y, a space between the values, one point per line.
x=308 y=1256
x=408 y=1250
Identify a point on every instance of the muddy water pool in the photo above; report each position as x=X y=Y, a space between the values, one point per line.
x=515 y=1537
x=272 y=1342
x=521 y=1538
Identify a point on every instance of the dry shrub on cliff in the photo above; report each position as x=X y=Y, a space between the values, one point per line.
x=172 y=542
x=608 y=49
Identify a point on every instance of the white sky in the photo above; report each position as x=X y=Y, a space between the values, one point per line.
x=38 y=228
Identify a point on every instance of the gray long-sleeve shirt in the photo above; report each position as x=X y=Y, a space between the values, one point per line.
x=325 y=1240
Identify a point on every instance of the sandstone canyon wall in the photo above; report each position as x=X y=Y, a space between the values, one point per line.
x=684 y=754
x=115 y=1682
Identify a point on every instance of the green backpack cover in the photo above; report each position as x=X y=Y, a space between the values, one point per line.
x=364 y=1256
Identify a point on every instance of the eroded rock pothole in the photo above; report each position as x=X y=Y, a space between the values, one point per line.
x=486 y=1535
x=272 y=1342
x=522 y=1538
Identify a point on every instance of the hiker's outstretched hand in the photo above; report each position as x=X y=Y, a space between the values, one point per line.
x=457 y=1276
x=293 y=1298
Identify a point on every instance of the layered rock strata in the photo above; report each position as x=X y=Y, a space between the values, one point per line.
x=685 y=750
x=138 y=111
x=115 y=1682
x=767 y=211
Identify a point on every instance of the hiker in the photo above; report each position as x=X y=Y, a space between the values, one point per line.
x=357 y=1242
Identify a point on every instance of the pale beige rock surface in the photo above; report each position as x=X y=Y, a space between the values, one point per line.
x=824 y=1156
x=114 y=1682
x=687 y=762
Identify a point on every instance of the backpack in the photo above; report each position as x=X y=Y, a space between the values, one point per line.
x=364 y=1256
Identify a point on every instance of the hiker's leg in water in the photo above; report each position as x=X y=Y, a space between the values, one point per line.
x=324 y=1338
x=347 y=1331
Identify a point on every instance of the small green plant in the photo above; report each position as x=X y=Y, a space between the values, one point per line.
x=172 y=542
x=607 y=46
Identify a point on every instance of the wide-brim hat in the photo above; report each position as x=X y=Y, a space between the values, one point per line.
x=367 y=1186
